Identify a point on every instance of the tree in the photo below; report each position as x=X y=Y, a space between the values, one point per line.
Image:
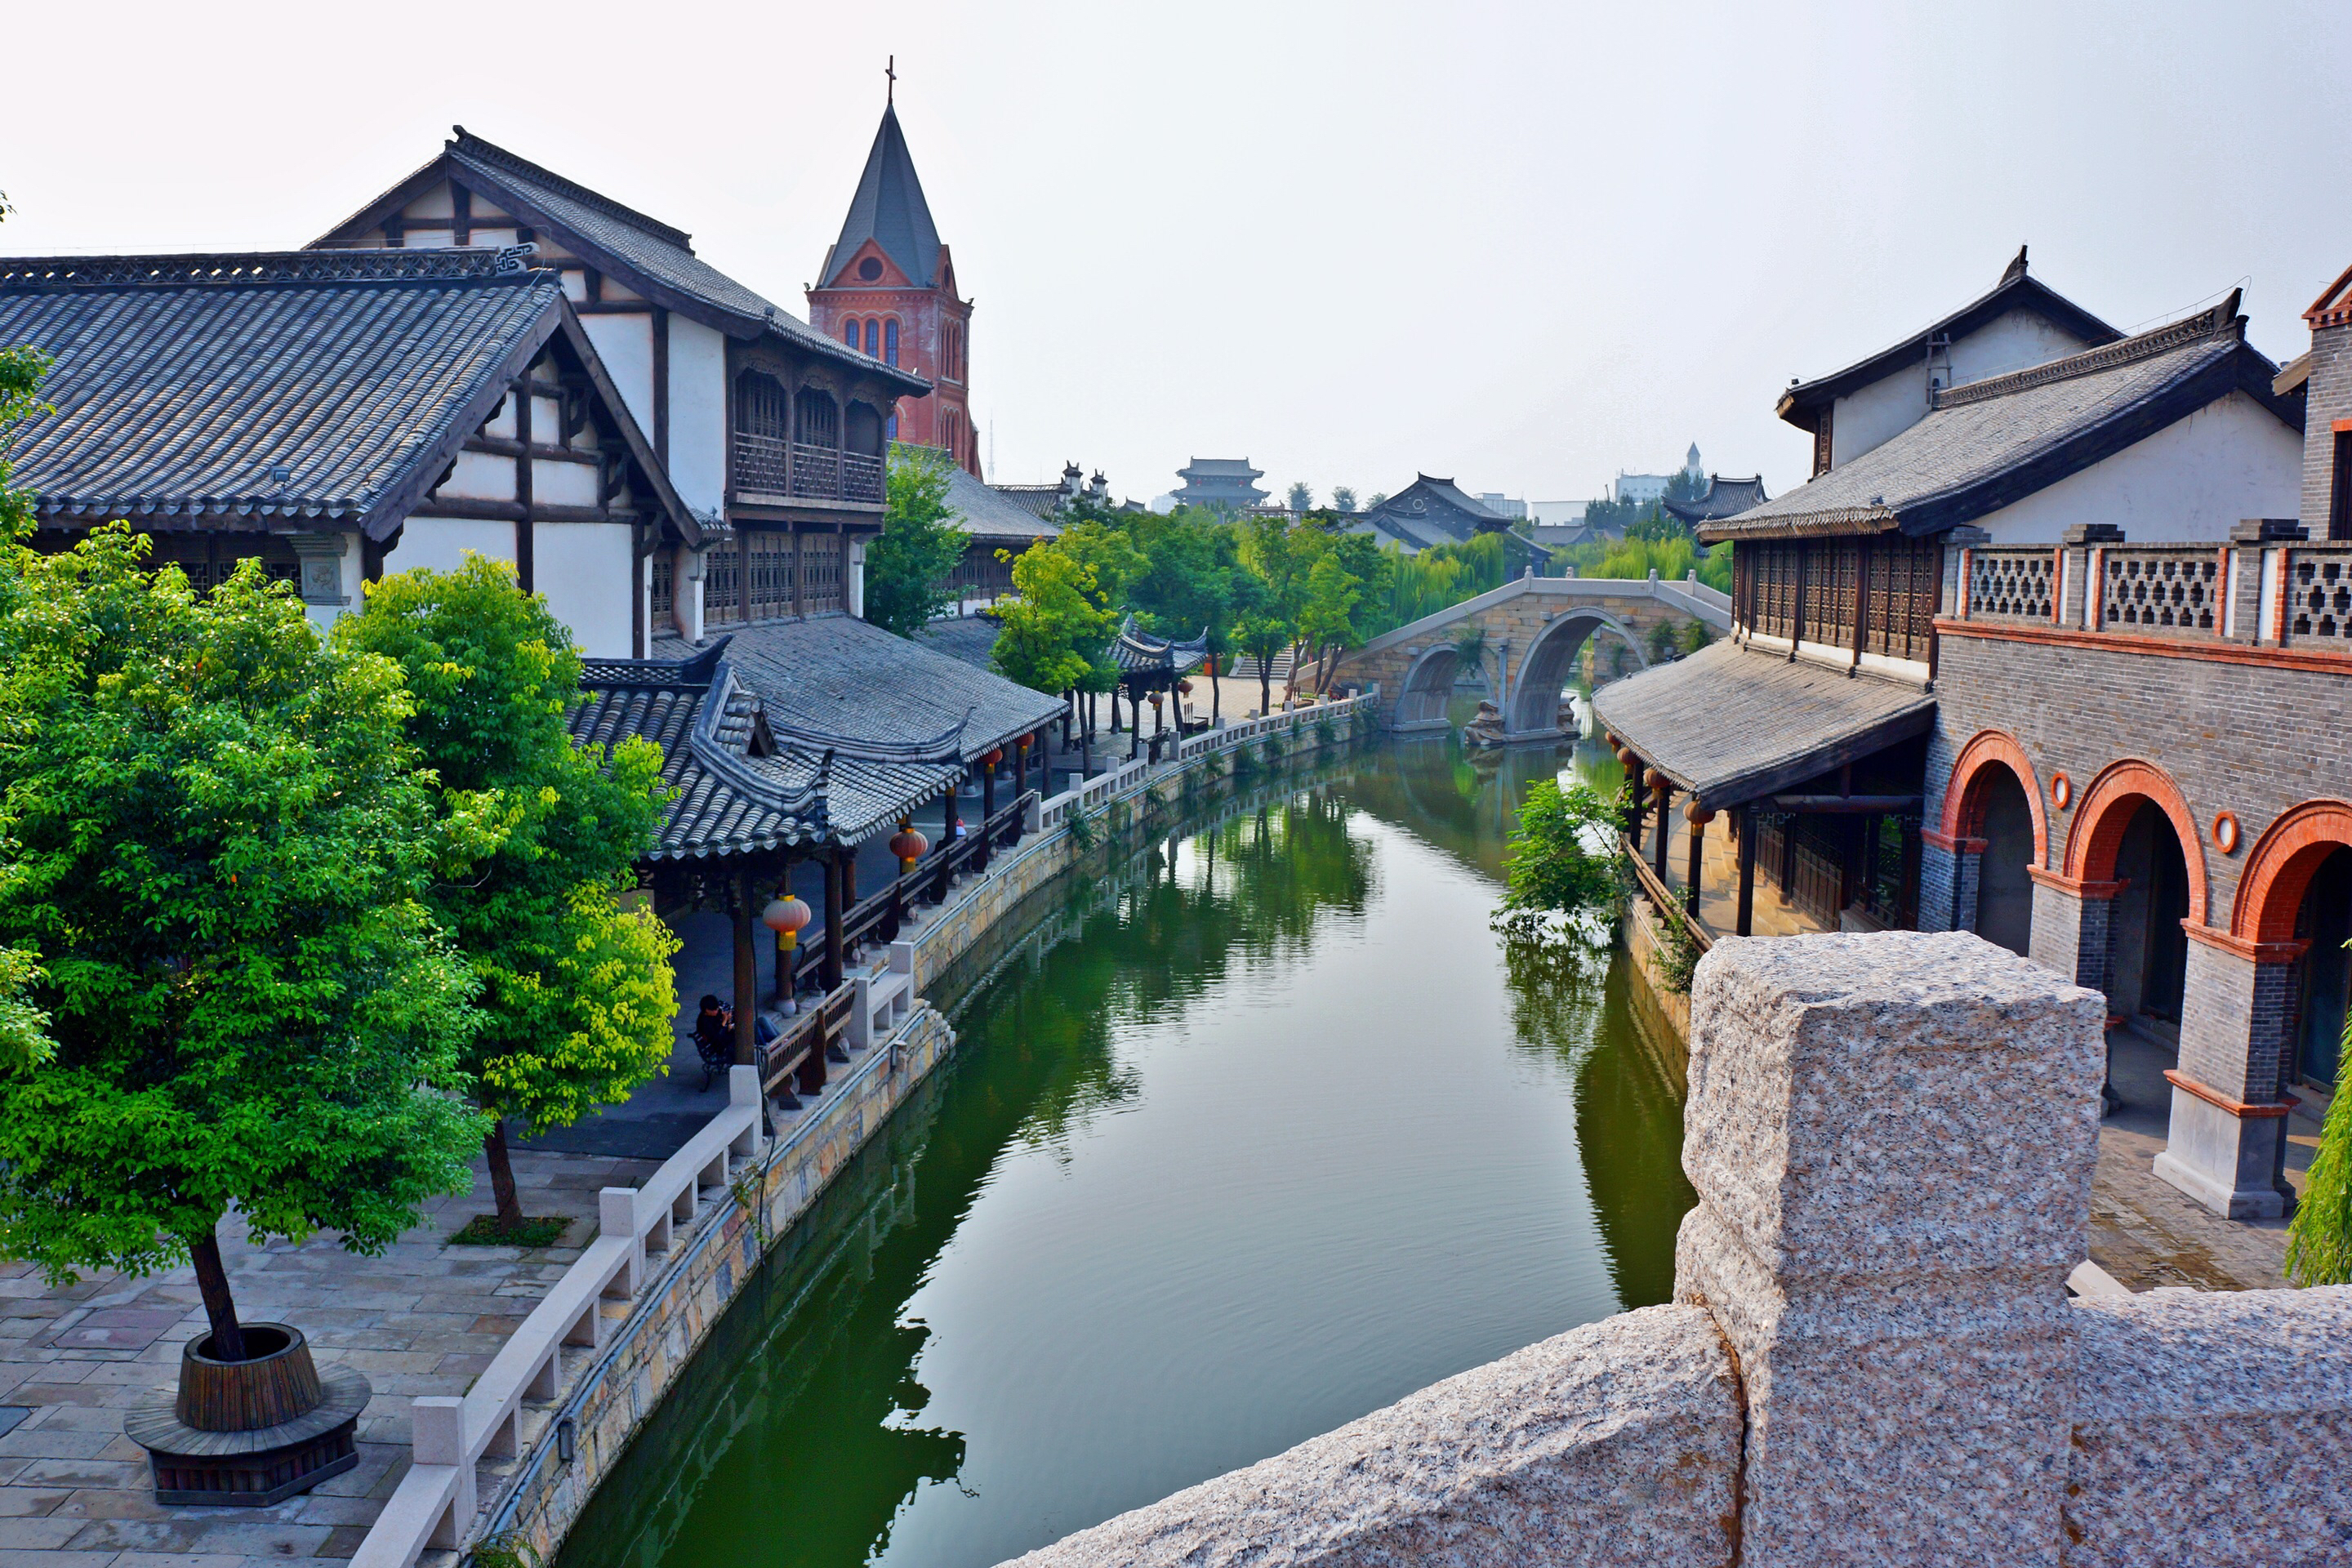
x=908 y=568
x=1057 y=626
x=2319 y=1237
x=1302 y=496
x=1562 y=860
x=1262 y=634
x=577 y=993
x=1326 y=620
x=221 y=845
x=1343 y=498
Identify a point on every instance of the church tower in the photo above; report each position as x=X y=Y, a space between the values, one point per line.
x=888 y=287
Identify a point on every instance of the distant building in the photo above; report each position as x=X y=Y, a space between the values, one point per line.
x=1641 y=490
x=887 y=288
x=1722 y=498
x=1502 y=505
x=1228 y=484
x=1431 y=511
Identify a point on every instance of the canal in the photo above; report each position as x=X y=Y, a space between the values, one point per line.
x=1254 y=1133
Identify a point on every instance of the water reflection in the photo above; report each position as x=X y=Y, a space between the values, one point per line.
x=1257 y=1133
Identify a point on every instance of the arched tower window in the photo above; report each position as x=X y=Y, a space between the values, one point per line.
x=849 y=334
x=891 y=340
x=874 y=339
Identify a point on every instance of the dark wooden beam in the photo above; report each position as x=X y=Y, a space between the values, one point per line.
x=747 y=969
x=523 y=522
x=661 y=384
x=1847 y=804
x=497 y=448
x=461 y=219
x=513 y=511
x=1747 y=919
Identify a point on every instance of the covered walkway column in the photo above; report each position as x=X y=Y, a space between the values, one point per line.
x=2226 y=1145
x=1950 y=871
x=2072 y=922
x=747 y=969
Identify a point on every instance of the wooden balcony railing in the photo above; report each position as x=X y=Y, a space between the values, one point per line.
x=861 y=478
x=816 y=472
x=770 y=465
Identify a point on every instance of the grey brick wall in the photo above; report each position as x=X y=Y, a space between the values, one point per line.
x=2329 y=399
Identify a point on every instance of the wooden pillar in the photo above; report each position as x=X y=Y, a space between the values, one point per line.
x=987 y=793
x=1666 y=801
x=524 y=539
x=1021 y=767
x=1696 y=815
x=1746 y=871
x=747 y=969
x=833 y=910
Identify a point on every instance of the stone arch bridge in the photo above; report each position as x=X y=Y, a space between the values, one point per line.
x=1535 y=628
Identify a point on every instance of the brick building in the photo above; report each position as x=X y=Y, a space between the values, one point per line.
x=887 y=287
x=2129 y=674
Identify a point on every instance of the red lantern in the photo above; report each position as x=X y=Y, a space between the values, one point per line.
x=994 y=756
x=1184 y=687
x=909 y=845
x=784 y=915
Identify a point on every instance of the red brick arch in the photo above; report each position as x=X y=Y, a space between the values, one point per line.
x=2279 y=869
x=2105 y=810
x=1964 y=796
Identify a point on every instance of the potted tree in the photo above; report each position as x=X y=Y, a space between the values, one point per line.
x=213 y=845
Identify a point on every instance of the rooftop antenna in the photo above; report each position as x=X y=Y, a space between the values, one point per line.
x=890 y=93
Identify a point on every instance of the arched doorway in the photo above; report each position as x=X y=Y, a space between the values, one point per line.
x=2295 y=898
x=2324 y=978
x=2004 y=888
x=2134 y=829
x=1549 y=665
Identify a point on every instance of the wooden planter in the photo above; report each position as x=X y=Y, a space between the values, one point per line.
x=250 y=1433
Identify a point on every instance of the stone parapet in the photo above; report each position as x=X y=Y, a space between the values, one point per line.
x=1617 y=1443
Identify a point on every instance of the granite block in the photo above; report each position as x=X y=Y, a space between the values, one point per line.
x=1617 y=1443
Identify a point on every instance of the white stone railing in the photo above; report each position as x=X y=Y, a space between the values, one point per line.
x=1128 y=777
x=435 y=1503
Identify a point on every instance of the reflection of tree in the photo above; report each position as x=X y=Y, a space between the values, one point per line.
x=804 y=1396
x=1466 y=800
x=1629 y=1106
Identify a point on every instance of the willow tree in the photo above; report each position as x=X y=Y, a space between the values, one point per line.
x=217 y=842
x=577 y=993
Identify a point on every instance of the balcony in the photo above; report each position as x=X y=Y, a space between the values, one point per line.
x=2259 y=589
x=771 y=466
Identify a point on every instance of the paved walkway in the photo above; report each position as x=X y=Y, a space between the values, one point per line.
x=424 y=1318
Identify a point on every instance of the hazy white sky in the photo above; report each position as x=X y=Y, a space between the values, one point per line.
x=1524 y=245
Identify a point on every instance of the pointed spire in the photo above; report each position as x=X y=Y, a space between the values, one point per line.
x=889 y=209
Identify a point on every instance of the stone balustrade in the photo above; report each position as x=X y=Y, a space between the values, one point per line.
x=1872 y=1357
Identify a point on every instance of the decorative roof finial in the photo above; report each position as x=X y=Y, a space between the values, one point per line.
x=890 y=93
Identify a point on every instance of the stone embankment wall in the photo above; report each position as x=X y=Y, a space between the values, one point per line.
x=1872 y=1358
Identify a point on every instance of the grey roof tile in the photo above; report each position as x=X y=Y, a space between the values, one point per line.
x=890 y=209
x=1989 y=443
x=1723 y=497
x=987 y=513
x=180 y=382
x=835 y=680
x=1730 y=725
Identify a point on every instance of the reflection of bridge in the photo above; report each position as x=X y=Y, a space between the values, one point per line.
x=1532 y=631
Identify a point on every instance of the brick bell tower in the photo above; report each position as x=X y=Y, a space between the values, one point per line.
x=888 y=287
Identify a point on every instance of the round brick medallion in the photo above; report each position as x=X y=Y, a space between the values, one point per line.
x=2225 y=832
x=2061 y=790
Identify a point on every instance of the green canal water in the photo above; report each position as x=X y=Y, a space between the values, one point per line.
x=1256 y=1130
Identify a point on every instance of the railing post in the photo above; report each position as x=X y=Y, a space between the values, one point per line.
x=438 y=1437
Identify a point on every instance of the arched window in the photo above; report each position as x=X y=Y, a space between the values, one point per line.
x=849 y=334
x=891 y=340
x=874 y=339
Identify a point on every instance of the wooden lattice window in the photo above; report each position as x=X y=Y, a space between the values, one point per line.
x=722 y=585
x=1905 y=582
x=1822 y=443
x=665 y=585
x=771 y=573
x=1832 y=574
x=821 y=561
x=819 y=422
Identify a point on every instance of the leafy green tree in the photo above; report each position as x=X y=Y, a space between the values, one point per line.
x=1327 y=621
x=1263 y=633
x=24 y=1027
x=2319 y=1237
x=577 y=993
x=1562 y=861
x=221 y=844
x=1301 y=496
x=1055 y=628
x=1343 y=498
x=908 y=568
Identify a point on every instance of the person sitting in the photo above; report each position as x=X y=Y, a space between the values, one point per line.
x=714 y=1039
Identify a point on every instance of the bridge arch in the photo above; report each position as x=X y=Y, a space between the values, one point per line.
x=1427 y=688
x=1544 y=668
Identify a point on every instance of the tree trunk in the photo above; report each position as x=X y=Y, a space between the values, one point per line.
x=212 y=1280
x=1216 y=689
x=502 y=1182
x=1264 y=686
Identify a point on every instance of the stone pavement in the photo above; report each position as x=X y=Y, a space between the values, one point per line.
x=425 y=1317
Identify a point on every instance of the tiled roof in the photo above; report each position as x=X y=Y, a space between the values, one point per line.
x=1220 y=467
x=985 y=511
x=968 y=639
x=1723 y=497
x=731 y=801
x=626 y=241
x=1037 y=501
x=1139 y=653
x=1989 y=443
x=1730 y=725
x=835 y=682
x=2016 y=290
x=181 y=382
x=889 y=210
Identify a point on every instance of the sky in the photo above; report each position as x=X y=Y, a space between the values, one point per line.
x=1522 y=246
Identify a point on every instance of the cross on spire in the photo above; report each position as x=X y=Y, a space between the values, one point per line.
x=890 y=93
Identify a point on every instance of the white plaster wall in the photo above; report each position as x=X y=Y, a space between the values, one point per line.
x=853 y=588
x=2187 y=483
x=625 y=344
x=582 y=568
x=698 y=414
x=441 y=542
x=480 y=476
x=557 y=483
x=1893 y=403
x=325 y=615
x=490 y=238
x=433 y=203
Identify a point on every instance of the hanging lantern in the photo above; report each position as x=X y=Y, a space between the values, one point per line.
x=785 y=915
x=994 y=756
x=909 y=845
x=1184 y=687
x=1024 y=743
